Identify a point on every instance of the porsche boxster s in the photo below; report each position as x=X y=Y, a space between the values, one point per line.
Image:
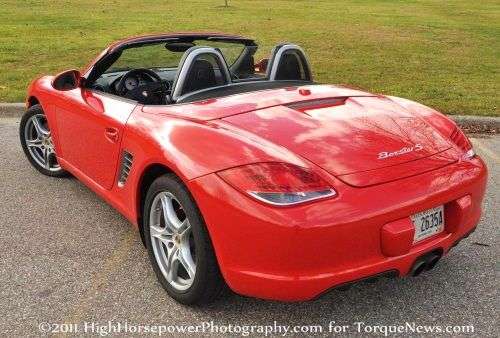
x=244 y=172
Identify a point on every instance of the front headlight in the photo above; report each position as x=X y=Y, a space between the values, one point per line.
x=276 y=183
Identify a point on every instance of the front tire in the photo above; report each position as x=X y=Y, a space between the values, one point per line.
x=178 y=243
x=36 y=140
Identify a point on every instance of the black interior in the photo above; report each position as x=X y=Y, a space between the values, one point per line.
x=205 y=78
x=200 y=76
x=239 y=88
x=246 y=68
x=292 y=65
x=289 y=68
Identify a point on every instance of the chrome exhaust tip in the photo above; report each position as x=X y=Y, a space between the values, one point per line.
x=418 y=268
x=426 y=262
x=432 y=261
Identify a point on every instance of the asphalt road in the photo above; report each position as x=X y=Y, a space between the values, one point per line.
x=68 y=257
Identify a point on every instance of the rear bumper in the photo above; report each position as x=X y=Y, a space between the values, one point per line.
x=298 y=253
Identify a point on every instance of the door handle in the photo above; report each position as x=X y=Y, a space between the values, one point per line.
x=111 y=134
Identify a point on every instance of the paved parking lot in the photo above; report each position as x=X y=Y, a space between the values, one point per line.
x=67 y=257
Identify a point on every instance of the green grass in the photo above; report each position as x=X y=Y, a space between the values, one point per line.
x=442 y=53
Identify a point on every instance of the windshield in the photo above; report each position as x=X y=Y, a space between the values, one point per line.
x=157 y=56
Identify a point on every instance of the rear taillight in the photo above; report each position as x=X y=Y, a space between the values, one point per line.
x=278 y=183
x=458 y=137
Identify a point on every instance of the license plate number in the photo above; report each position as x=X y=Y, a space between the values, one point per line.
x=428 y=223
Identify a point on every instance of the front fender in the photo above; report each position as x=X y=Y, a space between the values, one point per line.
x=40 y=88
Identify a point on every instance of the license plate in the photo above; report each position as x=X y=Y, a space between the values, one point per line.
x=428 y=223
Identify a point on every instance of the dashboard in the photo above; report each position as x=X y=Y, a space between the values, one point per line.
x=108 y=82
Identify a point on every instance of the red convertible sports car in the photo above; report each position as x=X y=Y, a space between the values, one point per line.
x=247 y=173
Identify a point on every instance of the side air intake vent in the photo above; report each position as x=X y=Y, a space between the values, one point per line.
x=125 y=167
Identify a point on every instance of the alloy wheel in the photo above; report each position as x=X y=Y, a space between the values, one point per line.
x=39 y=143
x=172 y=241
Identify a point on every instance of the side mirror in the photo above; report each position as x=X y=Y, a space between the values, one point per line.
x=67 y=80
x=261 y=66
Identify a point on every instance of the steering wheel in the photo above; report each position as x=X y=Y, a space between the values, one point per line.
x=152 y=92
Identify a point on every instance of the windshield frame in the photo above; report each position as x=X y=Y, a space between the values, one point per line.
x=107 y=58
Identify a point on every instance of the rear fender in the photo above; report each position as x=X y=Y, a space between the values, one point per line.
x=189 y=149
x=443 y=124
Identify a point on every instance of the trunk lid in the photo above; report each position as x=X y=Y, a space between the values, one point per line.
x=220 y=107
x=351 y=135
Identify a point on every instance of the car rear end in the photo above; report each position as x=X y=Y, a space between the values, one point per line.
x=299 y=252
x=402 y=195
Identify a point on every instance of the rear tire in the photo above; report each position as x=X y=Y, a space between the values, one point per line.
x=177 y=239
x=36 y=140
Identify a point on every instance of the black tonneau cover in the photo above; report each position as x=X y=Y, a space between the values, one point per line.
x=238 y=88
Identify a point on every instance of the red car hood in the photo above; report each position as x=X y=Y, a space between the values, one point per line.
x=362 y=135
